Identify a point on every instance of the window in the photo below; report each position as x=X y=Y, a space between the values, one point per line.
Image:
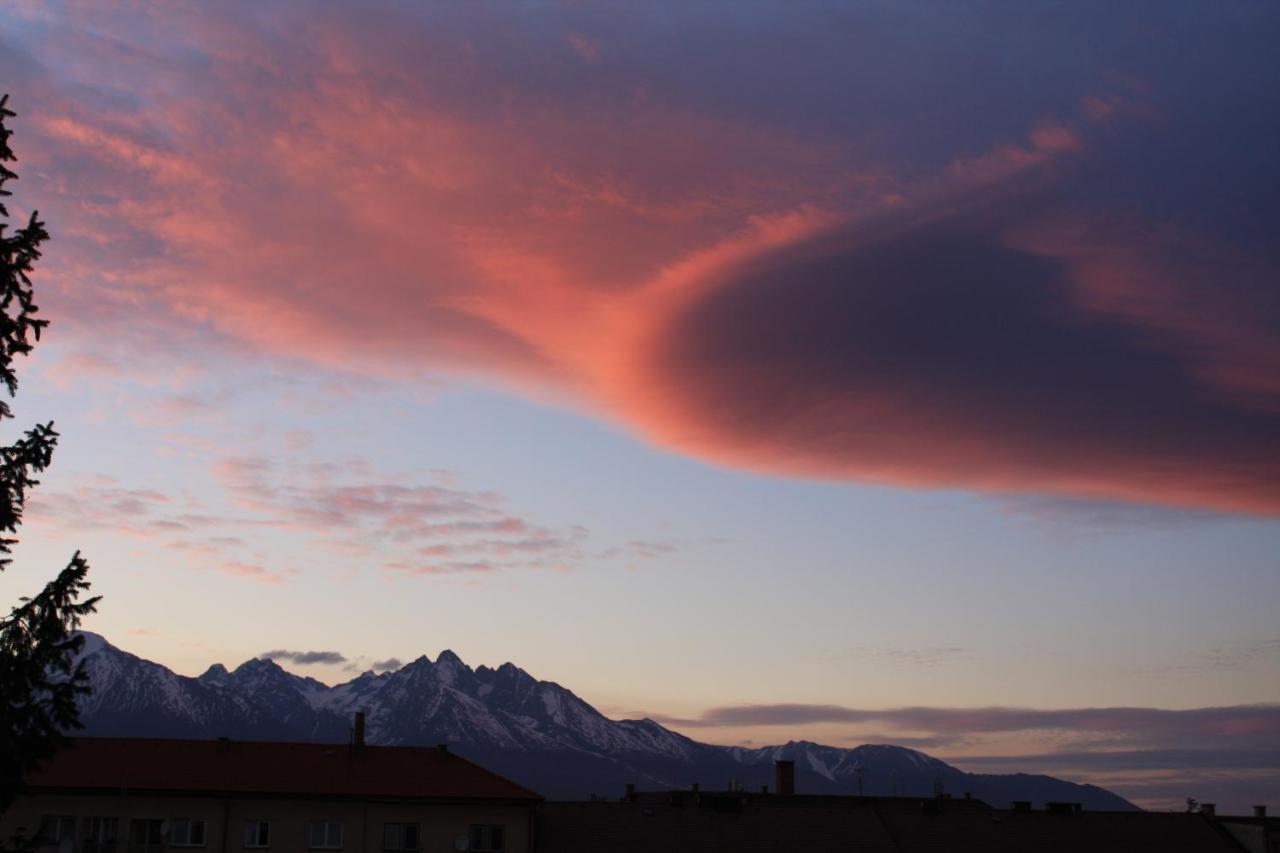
x=99 y=834
x=399 y=836
x=487 y=839
x=146 y=835
x=326 y=835
x=54 y=828
x=186 y=832
x=257 y=833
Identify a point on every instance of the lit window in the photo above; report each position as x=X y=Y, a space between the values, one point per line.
x=326 y=835
x=487 y=839
x=399 y=836
x=257 y=833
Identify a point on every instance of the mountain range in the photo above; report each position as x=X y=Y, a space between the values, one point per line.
x=535 y=732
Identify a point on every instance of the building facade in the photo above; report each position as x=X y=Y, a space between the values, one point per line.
x=130 y=795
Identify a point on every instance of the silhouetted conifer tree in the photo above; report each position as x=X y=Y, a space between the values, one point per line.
x=40 y=680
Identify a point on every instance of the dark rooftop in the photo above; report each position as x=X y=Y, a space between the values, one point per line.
x=736 y=822
x=756 y=828
x=247 y=767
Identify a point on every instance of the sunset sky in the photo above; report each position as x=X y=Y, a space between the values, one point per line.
x=865 y=371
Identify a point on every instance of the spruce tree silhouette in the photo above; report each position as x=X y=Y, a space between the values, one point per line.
x=40 y=679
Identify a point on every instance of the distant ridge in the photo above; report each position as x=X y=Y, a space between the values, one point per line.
x=535 y=732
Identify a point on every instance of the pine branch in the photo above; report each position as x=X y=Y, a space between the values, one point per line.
x=42 y=677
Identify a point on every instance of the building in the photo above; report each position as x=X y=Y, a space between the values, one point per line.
x=132 y=795
x=138 y=795
x=719 y=822
x=1057 y=828
x=1256 y=834
x=748 y=822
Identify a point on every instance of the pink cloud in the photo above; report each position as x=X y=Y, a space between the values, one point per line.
x=356 y=513
x=401 y=200
x=251 y=571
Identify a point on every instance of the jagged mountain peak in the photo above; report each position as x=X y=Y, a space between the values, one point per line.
x=258 y=665
x=537 y=732
x=508 y=673
x=449 y=657
x=266 y=674
x=215 y=674
x=420 y=662
x=449 y=668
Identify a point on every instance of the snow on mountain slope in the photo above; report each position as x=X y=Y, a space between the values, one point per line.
x=130 y=693
x=537 y=732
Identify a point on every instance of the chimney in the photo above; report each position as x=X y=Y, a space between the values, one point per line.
x=764 y=789
x=784 y=777
x=1208 y=809
x=357 y=734
x=694 y=787
x=630 y=795
x=1259 y=811
x=442 y=749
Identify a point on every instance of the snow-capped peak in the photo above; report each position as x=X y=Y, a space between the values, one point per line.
x=449 y=667
x=448 y=656
x=215 y=674
x=259 y=665
x=92 y=643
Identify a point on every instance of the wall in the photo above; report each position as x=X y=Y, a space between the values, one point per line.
x=439 y=823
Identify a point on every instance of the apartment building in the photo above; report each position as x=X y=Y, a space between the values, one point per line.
x=138 y=795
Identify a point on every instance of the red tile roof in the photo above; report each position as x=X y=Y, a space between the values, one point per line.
x=246 y=767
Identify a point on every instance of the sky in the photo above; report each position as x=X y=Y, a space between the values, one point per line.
x=852 y=372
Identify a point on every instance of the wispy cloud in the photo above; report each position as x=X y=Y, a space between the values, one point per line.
x=1128 y=760
x=1072 y=517
x=305 y=658
x=1159 y=779
x=427 y=524
x=408 y=527
x=1244 y=653
x=1235 y=726
x=928 y=656
x=253 y=571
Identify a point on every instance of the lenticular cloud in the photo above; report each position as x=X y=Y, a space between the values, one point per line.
x=884 y=261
